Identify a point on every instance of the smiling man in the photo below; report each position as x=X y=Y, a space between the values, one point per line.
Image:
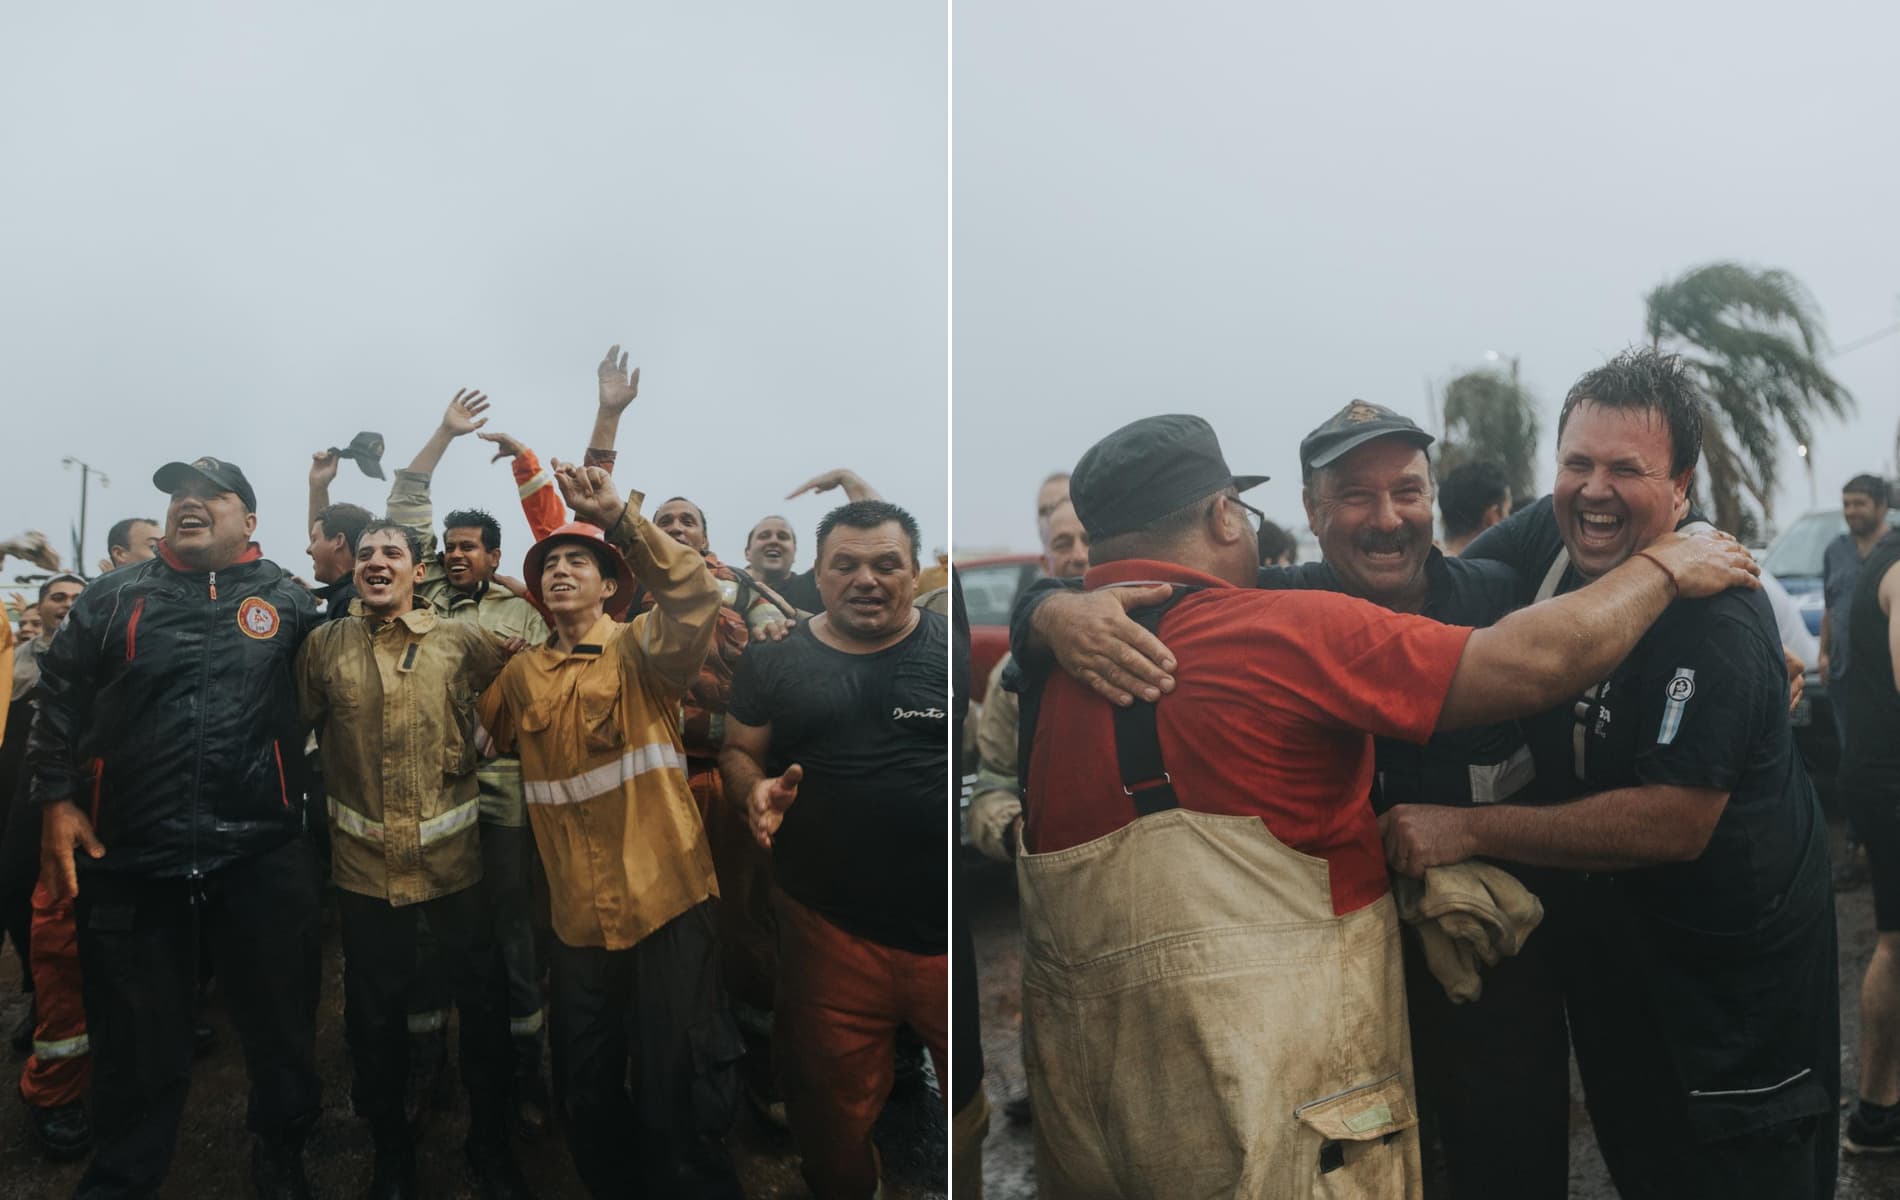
x=595 y=716
x=391 y=690
x=167 y=712
x=1689 y=911
x=849 y=716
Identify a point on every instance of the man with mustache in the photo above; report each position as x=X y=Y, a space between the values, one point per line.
x=1493 y=1075
x=391 y=690
x=167 y=710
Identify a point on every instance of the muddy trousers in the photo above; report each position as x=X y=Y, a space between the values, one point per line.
x=60 y=1068
x=507 y=891
x=139 y=954
x=655 y=1011
x=379 y=965
x=841 y=1001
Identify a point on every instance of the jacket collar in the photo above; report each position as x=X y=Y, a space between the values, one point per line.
x=252 y=553
x=418 y=620
x=593 y=644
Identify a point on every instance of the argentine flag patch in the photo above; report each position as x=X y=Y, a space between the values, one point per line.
x=1680 y=690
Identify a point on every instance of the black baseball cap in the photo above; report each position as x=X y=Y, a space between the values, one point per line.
x=1352 y=427
x=172 y=476
x=1148 y=469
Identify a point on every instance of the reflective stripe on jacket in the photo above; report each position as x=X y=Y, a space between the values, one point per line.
x=598 y=731
x=394 y=706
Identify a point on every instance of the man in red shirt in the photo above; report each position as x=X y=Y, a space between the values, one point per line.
x=1204 y=888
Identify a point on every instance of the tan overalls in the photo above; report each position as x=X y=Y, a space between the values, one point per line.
x=1197 y=1023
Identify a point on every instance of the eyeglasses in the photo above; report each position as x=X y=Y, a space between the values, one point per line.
x=1255 y=517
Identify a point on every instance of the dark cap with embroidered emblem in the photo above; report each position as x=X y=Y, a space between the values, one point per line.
x=1148 y=469
x=1352 y=427
x=220 y=474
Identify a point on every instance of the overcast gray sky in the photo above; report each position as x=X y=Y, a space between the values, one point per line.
x=1259 y=212
x=253 y=230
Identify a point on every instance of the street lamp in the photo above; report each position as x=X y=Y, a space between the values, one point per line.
x=1492 y=356
x=86 y=472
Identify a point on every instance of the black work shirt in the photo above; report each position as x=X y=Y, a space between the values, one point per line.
x=801 y=592
x=1701 y=702
x=336 y=597
x=863 y=845
x=1870 y=760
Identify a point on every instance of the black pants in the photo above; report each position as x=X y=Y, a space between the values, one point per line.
x=379 y=965
x=510 y=899
x=139 y=951
x=1631 y=1085
x=1493 y=1078
x=659 y=1007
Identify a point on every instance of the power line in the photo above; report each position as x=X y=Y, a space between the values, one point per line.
x=1869 y=340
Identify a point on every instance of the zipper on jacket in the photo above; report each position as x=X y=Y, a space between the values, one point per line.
x=132 y=629
x=196 y=876
x=214 y=585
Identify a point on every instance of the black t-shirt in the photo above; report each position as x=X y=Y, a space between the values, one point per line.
x=1702 y=701
x=863 y=844
x=1870 y=761
x=801 y=592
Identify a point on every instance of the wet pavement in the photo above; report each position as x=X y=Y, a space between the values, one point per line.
x=213 y=1158
x=1008 y=1166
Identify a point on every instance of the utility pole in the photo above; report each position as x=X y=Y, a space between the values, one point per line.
x=86 y=472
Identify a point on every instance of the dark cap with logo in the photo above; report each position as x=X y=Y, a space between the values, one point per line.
x=366 y=451
x=1352 y=427
x=220 y=474
x=1148 y=469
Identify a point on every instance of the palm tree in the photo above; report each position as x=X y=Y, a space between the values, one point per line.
x=1753 y=340
x=1489 y=415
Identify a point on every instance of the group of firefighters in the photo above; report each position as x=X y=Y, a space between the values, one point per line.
x=1325 y=865
x=617 y=804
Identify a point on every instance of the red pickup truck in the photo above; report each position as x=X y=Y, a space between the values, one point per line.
x=990 y=586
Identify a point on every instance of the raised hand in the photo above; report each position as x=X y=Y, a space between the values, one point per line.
x=853 y=484
x=505 y=446
x=33 y=547
x=618 y=386
x=323 y=465
x=590 y=492
x=463 y=412
x=765 y=807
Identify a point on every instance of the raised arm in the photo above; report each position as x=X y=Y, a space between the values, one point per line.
x=855 y=488
x=675 y=635
x=540 y=503
x=409 y=502
x=464 y=416
x=1544 y=654
x=323 y=466
x=618 y=387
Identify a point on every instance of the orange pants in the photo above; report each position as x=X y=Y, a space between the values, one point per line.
x=840 y=1001
x=60 y=1069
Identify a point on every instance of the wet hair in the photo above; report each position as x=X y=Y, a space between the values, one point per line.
x=1277 y=543
x=346 y=521
x=48 y=585
x=684 y=500
x=119 y=537
x=869 y=514
x=1643 y=380
x=1467 y=492
x=1159 y=536
x=1871 y=486
x=474 y=518
x=409 y=536
x=763 y=520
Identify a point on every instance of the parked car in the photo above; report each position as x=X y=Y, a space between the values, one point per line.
x=1794 y=559
x=990 y=586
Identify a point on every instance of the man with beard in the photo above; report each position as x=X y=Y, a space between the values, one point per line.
x=157 y=761
x=847 y=714
x=1493 y=1074
x=391 y=690
x=1687 y=899
x=1864 y=508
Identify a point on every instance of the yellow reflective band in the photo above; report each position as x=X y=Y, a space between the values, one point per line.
x=449 y=823
x=656 y=756
x=523 y=1026
x=355 y=823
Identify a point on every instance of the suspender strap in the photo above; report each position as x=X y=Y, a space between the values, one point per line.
x=1145 y=777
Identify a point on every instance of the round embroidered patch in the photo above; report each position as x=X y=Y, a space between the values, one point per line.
x=257 y=618
x=1681 y=688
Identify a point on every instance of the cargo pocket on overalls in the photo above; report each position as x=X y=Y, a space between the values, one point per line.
x=599 y=695
x=716 y=1050
x=1362 y=1143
